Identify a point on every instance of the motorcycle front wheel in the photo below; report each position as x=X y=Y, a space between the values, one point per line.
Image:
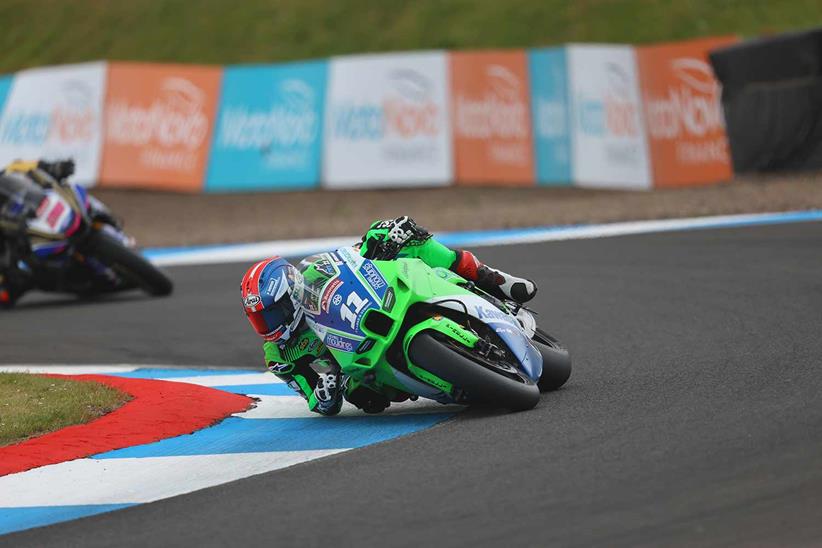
x=481 y=382
x=127 y=263
x=556 y=361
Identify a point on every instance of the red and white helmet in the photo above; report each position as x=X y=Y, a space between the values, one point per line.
x=269 y=302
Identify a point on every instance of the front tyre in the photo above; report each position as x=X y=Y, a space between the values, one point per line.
x=482 y=384
x=556 y=361
x=128 y=264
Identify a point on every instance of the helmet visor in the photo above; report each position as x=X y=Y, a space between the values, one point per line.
x=274 y=321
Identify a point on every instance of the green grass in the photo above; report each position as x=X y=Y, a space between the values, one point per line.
x=38 y=32
x=31 y=405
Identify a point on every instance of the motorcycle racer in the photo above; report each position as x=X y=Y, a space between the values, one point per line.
x=20 y=194
x=296 y=354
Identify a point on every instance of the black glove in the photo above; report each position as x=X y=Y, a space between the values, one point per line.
x=61 y=169
x=403 y=230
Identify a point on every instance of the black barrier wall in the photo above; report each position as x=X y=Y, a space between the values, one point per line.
x=772 y=99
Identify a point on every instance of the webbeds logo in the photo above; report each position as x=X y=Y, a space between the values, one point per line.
x=690 y=105
x=500 y=113
x=407 y=111
x=175 y=118
x=616 y=114
x=71 y=121
x=290 y=121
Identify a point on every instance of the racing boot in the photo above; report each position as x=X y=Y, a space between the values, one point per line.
x=492 y=281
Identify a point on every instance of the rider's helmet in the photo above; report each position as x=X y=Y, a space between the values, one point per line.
x=269 y=298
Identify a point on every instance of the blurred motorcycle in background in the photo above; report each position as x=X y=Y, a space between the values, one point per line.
x=56 y=237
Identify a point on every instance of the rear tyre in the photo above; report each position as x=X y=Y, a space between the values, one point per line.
x=556 y=361
x=480 y=383
x=127 y=263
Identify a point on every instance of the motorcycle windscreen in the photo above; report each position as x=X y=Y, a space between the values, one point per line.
x=18 y=191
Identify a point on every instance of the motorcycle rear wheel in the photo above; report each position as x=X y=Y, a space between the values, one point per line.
x=481 y=384
x=127 y=263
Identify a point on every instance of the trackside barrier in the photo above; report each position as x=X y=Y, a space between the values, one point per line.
x=56 y=112
x=387 y=121
x=159 y=121
x=609 y=147
x=590 y=115
x=269 y=128
x=493 y=141
x=550 y=112
x=683 y=113
x=772 y=101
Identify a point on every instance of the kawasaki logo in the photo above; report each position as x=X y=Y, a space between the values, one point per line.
x=491 y=313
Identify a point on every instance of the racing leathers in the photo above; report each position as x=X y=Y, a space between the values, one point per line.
x=306 y=365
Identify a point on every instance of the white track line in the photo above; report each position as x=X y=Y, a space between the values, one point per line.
x=298 y=248
x=138 y=480
x=69 y=369
x=229 y=379
x=294 y=407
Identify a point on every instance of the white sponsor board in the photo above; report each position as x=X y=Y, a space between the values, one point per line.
x=55 y=113
x=387 y=121
x=610 y=146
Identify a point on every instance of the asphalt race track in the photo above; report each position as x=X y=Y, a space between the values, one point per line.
x=693 y=415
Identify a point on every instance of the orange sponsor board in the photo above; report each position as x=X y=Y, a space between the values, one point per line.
x=493 y=142
x=158 y=123
x=683 y=113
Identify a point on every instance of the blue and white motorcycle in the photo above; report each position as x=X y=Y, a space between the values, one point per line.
x=72 y=243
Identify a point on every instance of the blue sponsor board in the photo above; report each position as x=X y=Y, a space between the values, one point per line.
x=548 y=71
x=5 y=87
x=268 y=133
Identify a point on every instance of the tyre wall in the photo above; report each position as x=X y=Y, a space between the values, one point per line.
x=772 y=98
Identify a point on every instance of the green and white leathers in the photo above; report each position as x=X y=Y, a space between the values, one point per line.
x=403 y=329
x=402 y=325
x=299 y=360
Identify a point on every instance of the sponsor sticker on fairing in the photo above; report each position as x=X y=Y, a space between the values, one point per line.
x=329 y=292
x=374 y=278
x=324 y=265
x=486 y=313
x=351 y=259
x=338 y=342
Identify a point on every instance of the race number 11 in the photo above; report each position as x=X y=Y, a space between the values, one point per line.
x=345 y=311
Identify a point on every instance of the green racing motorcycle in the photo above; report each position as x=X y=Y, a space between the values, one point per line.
x=407 y=330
